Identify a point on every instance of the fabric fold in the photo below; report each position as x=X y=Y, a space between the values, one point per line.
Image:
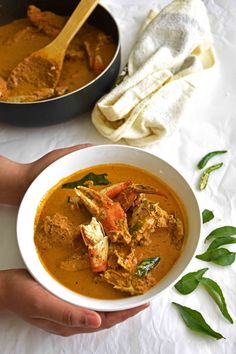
x=172 y=52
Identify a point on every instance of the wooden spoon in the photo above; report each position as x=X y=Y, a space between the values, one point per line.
x=41 y=71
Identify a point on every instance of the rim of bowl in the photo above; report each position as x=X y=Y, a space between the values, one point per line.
x=90 y=82
x=96 y=304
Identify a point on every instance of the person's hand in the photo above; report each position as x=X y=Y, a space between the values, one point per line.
x=15 y=178
x=28 y=299
x=34 y=168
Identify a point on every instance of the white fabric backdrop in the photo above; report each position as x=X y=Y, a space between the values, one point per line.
x=210 y=125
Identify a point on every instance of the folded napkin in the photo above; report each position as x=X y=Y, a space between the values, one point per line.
x=172 y=52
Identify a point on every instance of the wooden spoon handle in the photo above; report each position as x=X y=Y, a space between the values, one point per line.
x=75 y=22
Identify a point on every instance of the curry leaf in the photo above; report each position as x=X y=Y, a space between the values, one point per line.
x=221 y=241
x=195 y=321
x=205 y=176
x=133 y=229
x=207 y=157
x=146 y=265
x=190 y=281
x=97 y=180
x=222 y=232
x=220 y=256
x=207 y=215
x=215 y=292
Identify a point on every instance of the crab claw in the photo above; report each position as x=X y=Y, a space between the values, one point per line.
x=109 y=213
x=127 y=192
x=115 y=189
x=94 y=237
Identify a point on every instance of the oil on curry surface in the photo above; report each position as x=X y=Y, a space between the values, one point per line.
x=87 y=56
x=115 y=235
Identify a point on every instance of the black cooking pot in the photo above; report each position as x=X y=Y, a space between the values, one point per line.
x=59 y=109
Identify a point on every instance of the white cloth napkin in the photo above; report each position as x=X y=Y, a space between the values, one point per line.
x=174 y=48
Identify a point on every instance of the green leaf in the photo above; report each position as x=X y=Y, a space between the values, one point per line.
x=220 y=256
x=222 y=232
x=133 y=229
x=221 y=241
x=97 y=180
x=215 y=292
x=207 y=157
x=205 y=176
x=195 y=321
x=146 y=265
x=207 y=215
x=190 y=281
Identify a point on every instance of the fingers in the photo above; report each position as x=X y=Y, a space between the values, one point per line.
x=37 y=303
x=108 y=320
x=56 y=316
x=56 y=328
x=50 y=313
x=53 y=309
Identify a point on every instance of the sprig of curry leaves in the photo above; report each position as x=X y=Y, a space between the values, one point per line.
x=189 y=282
x=95 y=179
x=196 y=322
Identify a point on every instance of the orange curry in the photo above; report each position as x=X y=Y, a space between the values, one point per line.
x=110 y=231
x=87 y=56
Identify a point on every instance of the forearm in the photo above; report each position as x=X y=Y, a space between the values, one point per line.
x=13 y=181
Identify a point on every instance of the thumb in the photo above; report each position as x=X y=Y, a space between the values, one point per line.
x=56 y=310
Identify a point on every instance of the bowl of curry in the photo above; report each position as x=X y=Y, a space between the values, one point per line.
x=90 y=67
x=109 y=227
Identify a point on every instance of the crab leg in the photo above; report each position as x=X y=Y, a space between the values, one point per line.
x=127 y=192
x=113 y=190
x=109 y=213
x=94 y=237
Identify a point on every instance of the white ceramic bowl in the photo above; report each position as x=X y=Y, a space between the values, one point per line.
x=89 y=157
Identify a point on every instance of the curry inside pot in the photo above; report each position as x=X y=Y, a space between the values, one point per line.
x=87 y=56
